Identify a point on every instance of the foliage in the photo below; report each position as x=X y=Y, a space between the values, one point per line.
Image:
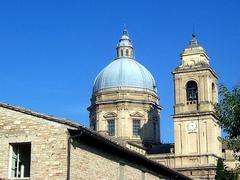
x=220 y=170
x=222 y=173
x=228 y=110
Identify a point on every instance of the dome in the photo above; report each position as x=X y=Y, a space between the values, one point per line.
x=124 y=72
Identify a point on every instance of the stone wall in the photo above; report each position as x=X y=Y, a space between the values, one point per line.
x=49 y=144
x=196 y=167
x=90 y=163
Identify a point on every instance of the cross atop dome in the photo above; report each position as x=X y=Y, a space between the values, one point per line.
x=125 y=32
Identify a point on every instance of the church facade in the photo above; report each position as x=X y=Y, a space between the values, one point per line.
x=125 y=105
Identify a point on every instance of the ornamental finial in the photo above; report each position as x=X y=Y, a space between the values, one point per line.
x=125 y=32
x=194 y=41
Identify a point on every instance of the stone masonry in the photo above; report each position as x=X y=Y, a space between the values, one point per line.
x=48 y=137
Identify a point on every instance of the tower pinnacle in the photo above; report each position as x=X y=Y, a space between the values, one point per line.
x=194 y=41
x=194 y=55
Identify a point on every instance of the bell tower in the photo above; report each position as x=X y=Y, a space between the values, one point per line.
x=196 y=126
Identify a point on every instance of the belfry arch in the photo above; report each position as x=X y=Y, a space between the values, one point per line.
x=192 y=92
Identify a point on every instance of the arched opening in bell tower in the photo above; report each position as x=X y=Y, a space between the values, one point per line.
x=192 y=92
x=213 y=93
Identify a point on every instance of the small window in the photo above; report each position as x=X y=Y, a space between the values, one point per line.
x=111 y=127
x=20 y=160
x=136 y=127
x=121 y=52
x=127 y=53
x=213 y=93
x=192 y=92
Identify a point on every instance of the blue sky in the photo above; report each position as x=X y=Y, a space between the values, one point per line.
x=51 y=51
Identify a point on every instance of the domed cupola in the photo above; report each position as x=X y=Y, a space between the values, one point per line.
x=125 y=71
x=125 y=47
x=124 y=102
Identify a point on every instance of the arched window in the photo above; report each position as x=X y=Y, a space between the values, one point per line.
x=192 y=92
x=127 y=53
x=121 y=52
x=213 y=92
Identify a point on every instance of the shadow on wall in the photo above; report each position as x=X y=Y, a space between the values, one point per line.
x=151 y=129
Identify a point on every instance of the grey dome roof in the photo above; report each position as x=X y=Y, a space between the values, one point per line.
x=124 y=72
